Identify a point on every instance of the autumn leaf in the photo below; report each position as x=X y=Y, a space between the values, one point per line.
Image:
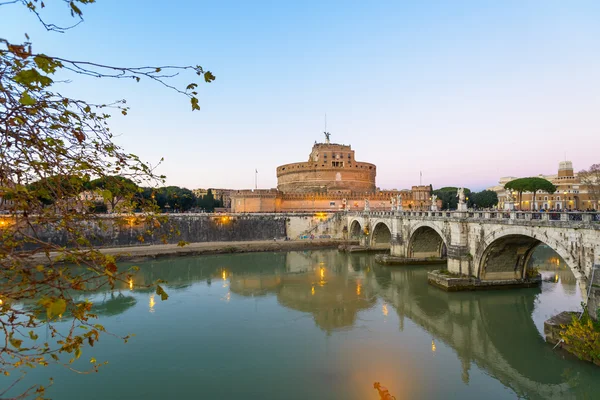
x=161 y=292
x=26 y=99
x=53 y=306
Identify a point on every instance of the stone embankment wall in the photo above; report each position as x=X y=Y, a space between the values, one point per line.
x=115 y=231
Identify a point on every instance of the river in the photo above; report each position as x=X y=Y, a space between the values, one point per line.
x=325 y=325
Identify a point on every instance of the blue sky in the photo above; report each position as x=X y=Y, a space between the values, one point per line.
x=465 y=91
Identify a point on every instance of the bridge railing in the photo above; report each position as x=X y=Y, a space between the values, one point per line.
x=572 y=216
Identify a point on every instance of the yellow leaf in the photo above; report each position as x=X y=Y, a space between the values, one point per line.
x=54 y=306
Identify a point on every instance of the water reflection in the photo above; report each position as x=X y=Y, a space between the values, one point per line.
x=495 y=331
x=113 y=304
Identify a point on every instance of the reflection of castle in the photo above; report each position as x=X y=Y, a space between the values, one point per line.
x=331 y=180
x=319 y=287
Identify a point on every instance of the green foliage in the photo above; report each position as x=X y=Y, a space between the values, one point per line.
x=208 y=202
x=484 y=199
x=115 y=189
x=583 y=337
x=51 y=148
x=170 y=198
x=531 y=184
x=448 y=197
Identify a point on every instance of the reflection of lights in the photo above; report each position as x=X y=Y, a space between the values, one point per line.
x=322 y=273
x=224 y=275
x=227 y=297
x=384 y=309
x=358 y=287
x=432 y=346
x=556 y=278
x=130 y=284
x=312 y=291
x=1 y=302
x=151 y=303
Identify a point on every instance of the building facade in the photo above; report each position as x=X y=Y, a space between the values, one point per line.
x=331 y=180
x=330 y=168
x=571 y=194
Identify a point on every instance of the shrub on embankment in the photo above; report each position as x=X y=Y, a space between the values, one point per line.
x=582 y=336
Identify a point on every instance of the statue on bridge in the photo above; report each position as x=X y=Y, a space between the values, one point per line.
x=399 y=202
x=344 y=204
x=393 y=201
x=508 y=196
x=461 y=195
x=367 y=205
x=434 y=202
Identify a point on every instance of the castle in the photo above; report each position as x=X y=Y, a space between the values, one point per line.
x=331 y=180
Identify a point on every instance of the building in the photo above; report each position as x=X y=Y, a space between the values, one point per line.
x=331 y=168
x=331 y=180
x=571 y=194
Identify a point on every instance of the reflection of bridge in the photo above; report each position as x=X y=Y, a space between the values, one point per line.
x=335 y=288
x=475 y=326
x=485 y=245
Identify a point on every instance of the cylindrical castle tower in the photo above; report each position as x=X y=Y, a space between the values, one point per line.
x=330 y=168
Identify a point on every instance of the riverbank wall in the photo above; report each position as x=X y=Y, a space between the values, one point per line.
x=125 y=231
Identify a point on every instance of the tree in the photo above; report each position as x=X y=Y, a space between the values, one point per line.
x=114 y=189
x=484 y=199
x=177 y=198
x=531 y=184
x=49 y=189
x=590 y=179
x=50 y=145
x=208 y=202
x=448 y=197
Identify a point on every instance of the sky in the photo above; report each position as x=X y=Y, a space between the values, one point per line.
x=464 y=91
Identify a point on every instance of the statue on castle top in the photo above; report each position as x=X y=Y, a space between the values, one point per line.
x=327 y=136
x=367 y=205
x=460 y=193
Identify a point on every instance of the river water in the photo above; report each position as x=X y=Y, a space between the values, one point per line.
x=325 y=325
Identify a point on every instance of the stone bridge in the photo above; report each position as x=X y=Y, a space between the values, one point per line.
x=484 y=245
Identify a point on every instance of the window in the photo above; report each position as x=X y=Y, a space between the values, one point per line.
x=558 y=198
x=332 y=204
x=337 y=163
x=545 y=198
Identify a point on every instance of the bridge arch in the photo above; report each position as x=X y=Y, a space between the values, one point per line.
x=505 y=253
x=356 y=230
x=381 y=237
x=426 y=240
